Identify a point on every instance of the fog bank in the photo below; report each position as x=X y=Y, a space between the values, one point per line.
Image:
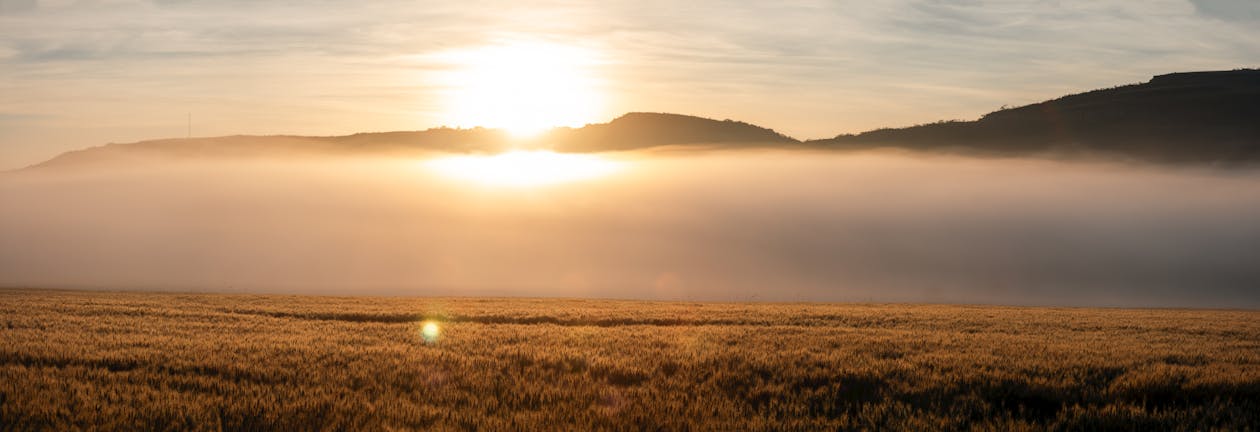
x=746 y=225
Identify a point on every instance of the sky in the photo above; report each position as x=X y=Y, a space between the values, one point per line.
x=75 y=74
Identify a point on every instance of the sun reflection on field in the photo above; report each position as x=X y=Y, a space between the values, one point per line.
x=524 y=168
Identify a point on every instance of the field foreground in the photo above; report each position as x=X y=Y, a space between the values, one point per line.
x=141 y=361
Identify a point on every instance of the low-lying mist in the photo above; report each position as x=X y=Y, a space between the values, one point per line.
x=736 y=225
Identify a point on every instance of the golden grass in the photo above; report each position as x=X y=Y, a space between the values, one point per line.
x=140 y=361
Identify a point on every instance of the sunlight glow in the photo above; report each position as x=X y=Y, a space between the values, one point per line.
x=524 y=88
x=524 y=168
x=430 y=331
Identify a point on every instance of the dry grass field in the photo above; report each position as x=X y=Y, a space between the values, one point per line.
x=141 y=361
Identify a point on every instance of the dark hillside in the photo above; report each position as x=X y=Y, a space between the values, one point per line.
x=642 y=130
x=1181 y=117
x=628 y=132
x=1195 y=117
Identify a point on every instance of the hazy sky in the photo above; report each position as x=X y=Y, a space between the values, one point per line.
x=80 y=73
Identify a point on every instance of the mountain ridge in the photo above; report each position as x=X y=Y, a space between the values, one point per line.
x=631 y=131
x=1185 y=117
x=1193 y=117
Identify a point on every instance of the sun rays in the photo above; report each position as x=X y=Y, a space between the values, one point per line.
x=522 y=87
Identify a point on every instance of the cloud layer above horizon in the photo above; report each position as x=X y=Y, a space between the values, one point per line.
x=81 y=73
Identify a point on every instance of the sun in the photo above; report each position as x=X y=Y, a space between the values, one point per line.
x=523 y=87
x=524 y=168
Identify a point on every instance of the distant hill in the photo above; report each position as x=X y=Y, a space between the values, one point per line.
x=628 y=132
x=248 y=146
x=640 y=130
x=1182 y=117
x=1195 y=117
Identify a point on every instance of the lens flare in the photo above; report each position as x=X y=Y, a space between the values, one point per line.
x=430 y=331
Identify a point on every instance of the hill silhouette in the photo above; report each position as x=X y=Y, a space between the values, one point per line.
x=246 y=146
x=629 y=132
x=1182 y=117
x=1193 y=117
x=641 y=130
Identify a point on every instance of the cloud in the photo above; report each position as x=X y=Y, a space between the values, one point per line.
x=1229 y=10
x=17 y=6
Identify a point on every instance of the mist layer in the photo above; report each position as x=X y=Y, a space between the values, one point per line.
x=743 y=225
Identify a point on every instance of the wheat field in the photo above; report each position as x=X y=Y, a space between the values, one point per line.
x=72 y=360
